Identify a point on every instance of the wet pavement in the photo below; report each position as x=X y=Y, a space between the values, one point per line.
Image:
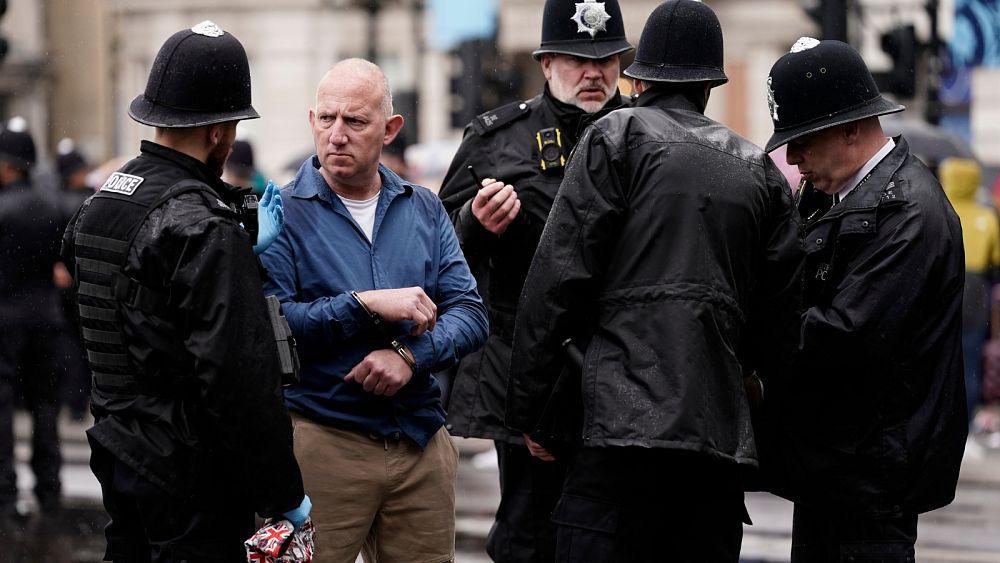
x=967 y=531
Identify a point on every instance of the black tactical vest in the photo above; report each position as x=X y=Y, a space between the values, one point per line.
x=102 y=241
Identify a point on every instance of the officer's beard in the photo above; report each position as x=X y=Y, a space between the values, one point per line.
x=216 y=159
x=568 y=94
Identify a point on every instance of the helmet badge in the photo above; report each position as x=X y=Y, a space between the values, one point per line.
x=771 y=104
x=591 y=17
x=208 y=29
x=804 y=44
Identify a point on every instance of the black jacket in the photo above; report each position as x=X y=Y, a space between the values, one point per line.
x=680 y=239
x=503 y=144
x=876 y=414
x=30 y=227
x=220 y=423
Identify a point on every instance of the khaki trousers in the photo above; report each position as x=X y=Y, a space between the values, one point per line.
x=384 y=498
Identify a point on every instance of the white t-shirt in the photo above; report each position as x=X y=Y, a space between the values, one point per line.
x=363 y=211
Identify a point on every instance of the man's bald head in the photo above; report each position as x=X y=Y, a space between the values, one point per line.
x=363 y=70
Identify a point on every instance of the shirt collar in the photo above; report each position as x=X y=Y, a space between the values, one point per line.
x=853 y=181
x=310 y=183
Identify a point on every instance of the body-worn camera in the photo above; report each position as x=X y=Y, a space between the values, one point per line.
x=550 y=148
x=246 y=208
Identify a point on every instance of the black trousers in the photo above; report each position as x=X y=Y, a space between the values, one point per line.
x=148 y=525
x=529 y=489
x=27 y=368
x=820 y=535
x=637 y=505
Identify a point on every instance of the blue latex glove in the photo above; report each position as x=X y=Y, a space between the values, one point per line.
x=270 y=218
x=298 y=516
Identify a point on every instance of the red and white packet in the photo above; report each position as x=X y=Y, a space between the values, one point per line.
x=278 y=542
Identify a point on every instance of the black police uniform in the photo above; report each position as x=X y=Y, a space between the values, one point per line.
x=30 y=317
x=187 y=392
x=507 y=144
x=875 y=434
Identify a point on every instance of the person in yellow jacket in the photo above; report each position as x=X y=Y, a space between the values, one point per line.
x=960 y=178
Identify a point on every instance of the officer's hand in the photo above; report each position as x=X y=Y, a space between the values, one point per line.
x=536 y=449
x=495 y=206
x=270 y=218
x=404 y=304
x=298 y=515
x=382 y=372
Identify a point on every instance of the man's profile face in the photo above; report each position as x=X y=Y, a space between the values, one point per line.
x=821 y=159
x=584 y=83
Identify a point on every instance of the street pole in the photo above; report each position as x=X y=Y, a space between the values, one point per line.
x=834 y=18
x=373 y=8
x=932 y=113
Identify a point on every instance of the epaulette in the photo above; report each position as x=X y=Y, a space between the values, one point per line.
x=490 y=121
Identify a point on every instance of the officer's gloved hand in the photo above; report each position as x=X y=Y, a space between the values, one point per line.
x=270 y=218
x=298 y=516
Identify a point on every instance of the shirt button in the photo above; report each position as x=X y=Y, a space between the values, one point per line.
x=819 y=241
x=864 y=223
x=522 y=106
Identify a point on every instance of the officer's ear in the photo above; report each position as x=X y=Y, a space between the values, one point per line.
x=546 y=63
x=851 y=131
x=217 y=133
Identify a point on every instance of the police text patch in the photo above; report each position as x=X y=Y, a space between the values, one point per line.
x=120 y=183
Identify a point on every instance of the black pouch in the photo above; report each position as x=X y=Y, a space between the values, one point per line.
x=287 y=355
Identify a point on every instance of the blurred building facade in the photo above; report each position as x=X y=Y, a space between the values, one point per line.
x=74 y=65
x=25 y=76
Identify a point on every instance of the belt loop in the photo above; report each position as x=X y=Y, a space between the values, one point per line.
x=386 y=442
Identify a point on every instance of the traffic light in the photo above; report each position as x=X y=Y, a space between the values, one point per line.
x=466 y=83
x=480 y=80
x=900 y=43
x=3 y=40
x=830 y=15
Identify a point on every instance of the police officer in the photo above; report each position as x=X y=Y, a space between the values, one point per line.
x=30 y=319
x=674 y=240
x=191 y=436
x=520 y=151
x=876 y=417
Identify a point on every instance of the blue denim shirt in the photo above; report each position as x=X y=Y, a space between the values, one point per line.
x=322 y=255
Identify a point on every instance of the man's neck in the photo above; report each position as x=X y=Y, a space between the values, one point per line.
x=184 y=145
x=359 y=192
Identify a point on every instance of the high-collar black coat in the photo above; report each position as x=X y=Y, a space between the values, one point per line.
x=876 y=414
x=675 y=242
x=503 y=144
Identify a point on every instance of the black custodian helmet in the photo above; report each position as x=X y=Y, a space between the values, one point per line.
x=16 y=145
x=586 y=28
x=681 y=42
x=820 y=84
x=200 y=76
